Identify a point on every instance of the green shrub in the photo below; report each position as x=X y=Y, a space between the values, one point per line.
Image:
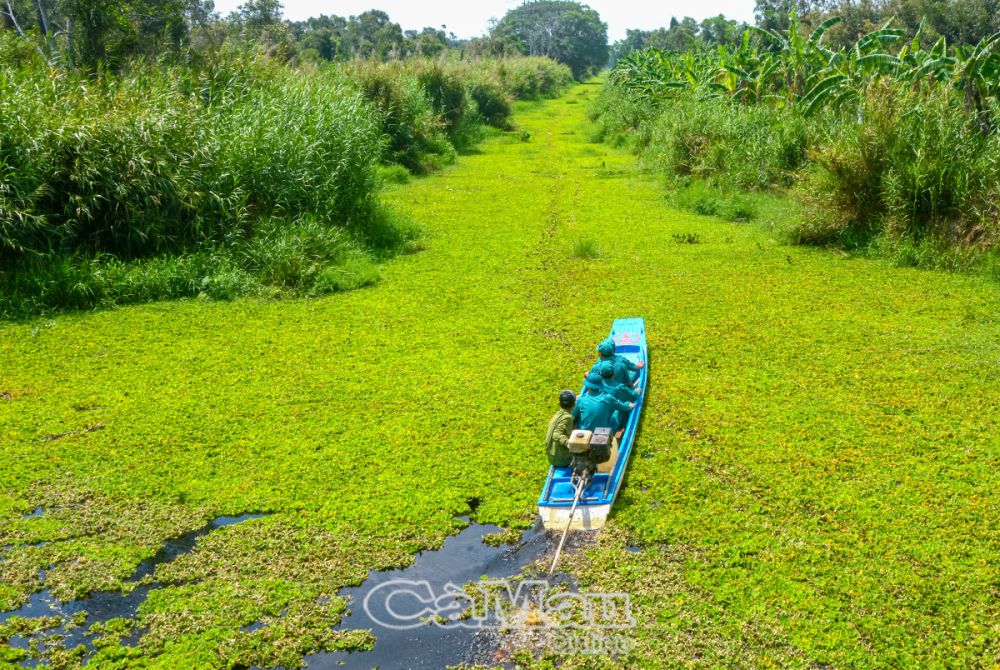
x=307 y=146
x=529 y=78
x=622 y=118
x=304 y=257
x=701 y=198
x=415 y=133
x=944 y=174
x=388 y=232
x=392 y=174
x=917 y=167
x=292 y=254
x=743 y=147
x=79 y=282
x=162 y=159
x=354 y=272
x=492 y=102
x=431 y=108
x=586 y=248
x=748 y=148
x=447 y=93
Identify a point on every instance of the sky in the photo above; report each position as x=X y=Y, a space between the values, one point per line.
x=469 y=18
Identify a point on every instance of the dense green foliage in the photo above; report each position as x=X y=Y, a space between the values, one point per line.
x=683 y=35
x=814 y=482
x=109 y=34
x=569 y=32
x=106 y=182
x=431 y=108
x=883 y=140
x=797 y=70
x=148 y=163
x=148 y=148
x=370 y=35
x=958 y=21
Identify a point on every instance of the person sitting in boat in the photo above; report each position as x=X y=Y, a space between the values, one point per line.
x=626 y=372
x=596 y=408
x=618 y=391
x=614 y=388
x=560 y=426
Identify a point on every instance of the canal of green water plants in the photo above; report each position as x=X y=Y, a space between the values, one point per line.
x=815 y=483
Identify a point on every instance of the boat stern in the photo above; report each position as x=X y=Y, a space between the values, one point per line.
x=587 y=517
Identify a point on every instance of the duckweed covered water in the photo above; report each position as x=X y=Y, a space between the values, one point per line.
x=463 y=558
x=78 y=615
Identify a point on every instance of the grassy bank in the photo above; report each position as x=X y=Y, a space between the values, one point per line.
x=889 y=148
x=815 y=480
x=238 y=177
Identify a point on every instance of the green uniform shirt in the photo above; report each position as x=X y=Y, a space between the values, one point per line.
x=556 y=438
x=629 y=365
x=598 y=411
x=623 y=369
x=620 y=391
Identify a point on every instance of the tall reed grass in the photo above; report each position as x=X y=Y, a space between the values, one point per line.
x=430 y=109
x=166 y=158
x=170 y=181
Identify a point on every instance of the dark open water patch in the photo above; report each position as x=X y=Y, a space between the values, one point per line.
x=462 y=559
x=103 y=606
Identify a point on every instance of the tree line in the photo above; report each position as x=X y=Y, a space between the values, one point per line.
x=109 y=33
x=681 y=35
x=957 y=21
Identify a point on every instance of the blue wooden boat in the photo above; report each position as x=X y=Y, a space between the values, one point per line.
x=556 y=501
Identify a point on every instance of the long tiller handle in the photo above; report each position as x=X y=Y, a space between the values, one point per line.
x=580 y=487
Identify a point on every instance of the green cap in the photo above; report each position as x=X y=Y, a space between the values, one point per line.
x=606 y=348
x=594 y=381
x=607 y=369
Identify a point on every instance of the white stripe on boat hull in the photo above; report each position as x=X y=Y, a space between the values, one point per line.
x=587 y=517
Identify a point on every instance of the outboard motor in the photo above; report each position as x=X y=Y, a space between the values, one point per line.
x=579 y=445
x=600 y=445
x=588 y=449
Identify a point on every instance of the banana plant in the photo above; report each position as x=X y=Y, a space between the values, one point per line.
x=787 y=68
x=976 y=75
x=849 y=71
